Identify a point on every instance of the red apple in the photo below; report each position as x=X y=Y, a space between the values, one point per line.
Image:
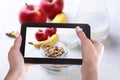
x=50 y=31
x=31 y=13
x=40 y=35
x=51 y=7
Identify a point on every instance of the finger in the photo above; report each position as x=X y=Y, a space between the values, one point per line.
x=81 y=34
x=18 y=40
x=94 y=41
x=97 y=43
x=27 y=65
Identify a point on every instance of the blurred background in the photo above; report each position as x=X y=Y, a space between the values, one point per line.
x=109 y=67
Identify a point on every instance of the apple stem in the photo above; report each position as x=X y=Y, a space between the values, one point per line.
x=50 y=0
x=29 y=7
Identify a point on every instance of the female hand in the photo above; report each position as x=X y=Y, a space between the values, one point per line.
x=16 y=61
x=91 y=53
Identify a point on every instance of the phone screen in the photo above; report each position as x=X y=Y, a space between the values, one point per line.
x=67 y=44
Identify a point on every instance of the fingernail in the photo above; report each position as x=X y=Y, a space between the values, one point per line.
x=78 y=28
x=17 y=34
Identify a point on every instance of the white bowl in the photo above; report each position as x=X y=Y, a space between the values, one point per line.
x=59 y=44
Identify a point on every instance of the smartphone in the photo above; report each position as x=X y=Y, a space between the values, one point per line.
x=62 y=46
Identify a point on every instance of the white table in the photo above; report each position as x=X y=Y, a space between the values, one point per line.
x=110 y=64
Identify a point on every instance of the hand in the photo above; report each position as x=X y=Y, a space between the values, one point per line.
x=16 y=61
x=91 y=53
x=15 y=57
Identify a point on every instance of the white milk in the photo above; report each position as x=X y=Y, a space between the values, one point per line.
x=98 y=23
x=94 y=13
x=68 y=36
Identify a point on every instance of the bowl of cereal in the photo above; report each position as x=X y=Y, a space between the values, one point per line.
x=58 y=50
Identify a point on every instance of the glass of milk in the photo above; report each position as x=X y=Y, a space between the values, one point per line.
x=94 y=13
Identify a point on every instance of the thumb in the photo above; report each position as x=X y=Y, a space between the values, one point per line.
x=18 y=40
x=81 y=34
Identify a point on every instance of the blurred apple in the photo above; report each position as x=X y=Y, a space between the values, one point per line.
x=31 y=13
x=40 y=35
x=51 y=7
x=50 y=31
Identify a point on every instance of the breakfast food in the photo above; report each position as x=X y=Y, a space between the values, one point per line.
x=60 y=18
x=50 y=31
x=40 y=35
x=31 y=13
x=52 y=7
x=52 y=40
x=53 y=51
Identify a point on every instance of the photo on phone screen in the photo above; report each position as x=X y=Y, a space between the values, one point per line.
x=67 y=45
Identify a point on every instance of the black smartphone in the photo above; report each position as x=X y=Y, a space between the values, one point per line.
x=61 y=46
